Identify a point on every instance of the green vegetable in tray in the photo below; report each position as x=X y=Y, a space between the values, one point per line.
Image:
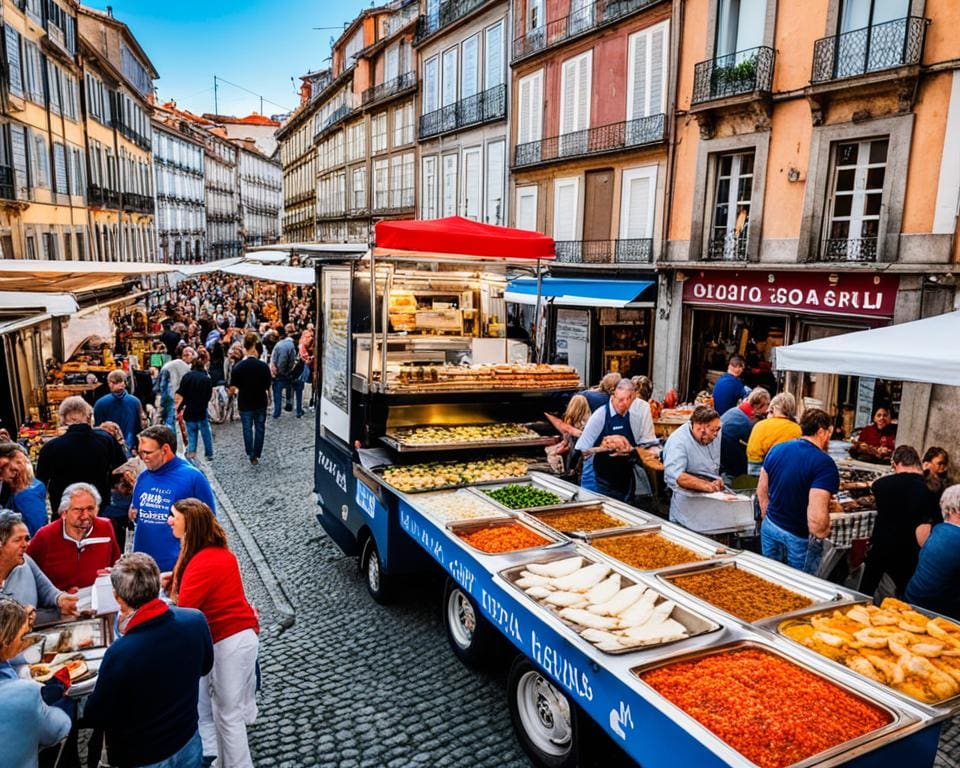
x=523 y=496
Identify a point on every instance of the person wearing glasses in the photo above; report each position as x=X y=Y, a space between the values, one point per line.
x=167 y=479
x=691 y=464
x=72 y=549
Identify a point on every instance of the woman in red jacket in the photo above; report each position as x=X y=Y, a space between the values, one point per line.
x=206 y=576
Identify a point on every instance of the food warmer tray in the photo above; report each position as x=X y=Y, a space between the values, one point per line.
x=569 y=499
x=554 y=539
x=822 y=593
x=634 y=521
x=397 y=444
x=901 y=719
x=710 y=550
x=696 y=625
x=376 y=474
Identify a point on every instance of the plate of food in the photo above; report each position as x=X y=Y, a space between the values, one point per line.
x=76 y=665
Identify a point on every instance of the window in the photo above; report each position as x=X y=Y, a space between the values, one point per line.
x=857 y=199
x=53 y=83
x=407 y=178
x=380 y=184
x=472 y=183
x=396 y=192
x=40 y=161
x=530 y=123
x=21 y=163
x=391 y=63
x=470 y=70
x=646 y=80
x=403 y=125
x=33 y=72
x=494 y=208
x=449 y=84
x=535 y=20
x=14 y=73
x=566 y=209
x=866 y=28
x=527 y=208
x=449 y=204
x=378 y=133
x=575 y=103
x=60 y=168
x=428 y=188
x=731 y=207
x=356 y=141
x=740 y=25
x=493 y=56
x=358 y=189
x=581 y=16
x=637 y=203
x=430 y=85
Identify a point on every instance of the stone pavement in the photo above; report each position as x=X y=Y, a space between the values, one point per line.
x=350 y=683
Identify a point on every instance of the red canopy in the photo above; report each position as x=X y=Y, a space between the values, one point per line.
x=456 y=235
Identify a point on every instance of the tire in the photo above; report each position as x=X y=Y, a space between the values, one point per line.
x=470 y=635
x=378 y=582
x=543 y=717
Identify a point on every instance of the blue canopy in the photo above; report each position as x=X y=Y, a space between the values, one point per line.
x=578 y=291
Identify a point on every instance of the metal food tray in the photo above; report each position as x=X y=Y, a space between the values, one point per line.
x=852 y=686
x=62 y=636
x=377 y=474
x=699 y=545
x=818 y=591
x=495 y=512
x=695 y=624
x=568 y=499
x=397 y=443
x=468 y=526
x=632 y=522
x=950 y=704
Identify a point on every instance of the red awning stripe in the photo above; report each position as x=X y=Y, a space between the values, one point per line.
x=456 y=235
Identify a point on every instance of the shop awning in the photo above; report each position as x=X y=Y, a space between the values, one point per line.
x=580 y=292
x=192 y=270
x=925 y=350
x=267 y=257
x=73 y=276
x=273 y=273
x=462 y=237
x=53 y=304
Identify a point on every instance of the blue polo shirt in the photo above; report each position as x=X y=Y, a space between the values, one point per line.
x=124 y=411
x=936 y=582
x=793 y=468
x=727 y=392
x=153 y=495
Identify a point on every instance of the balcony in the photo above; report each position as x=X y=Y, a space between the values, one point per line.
x=593 y=16
x=631 y=251
x=614 y=137
x=729 y=247
x=896 y=43
x=7 y=187
x=448 y=12
x=401 y=17
x=862 y=249
x=390 y=88
x=480 y=108
x=101 y=197
x=138 y=203
x=736 y=74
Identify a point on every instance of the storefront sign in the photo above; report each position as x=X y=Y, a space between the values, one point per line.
x=821 y=292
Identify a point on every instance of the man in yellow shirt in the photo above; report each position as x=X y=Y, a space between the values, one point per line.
x=779 y=426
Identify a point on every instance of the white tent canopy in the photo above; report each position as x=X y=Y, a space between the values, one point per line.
x=274 y=273
x=54 y=304
x=926 y=351
x=68 y=276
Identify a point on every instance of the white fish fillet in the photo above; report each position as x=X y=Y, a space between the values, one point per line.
x=599 y=636
x=664 y=609
x=538 y=592
x=532 y=580
x=620 y=601
x=557 y=568
x=583 y=579
x=604 y=590
x=657 y=632
x=587 y=619
x=565 y=599
x=640 y=612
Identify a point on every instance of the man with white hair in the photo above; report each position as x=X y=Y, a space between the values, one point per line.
x=73 y=548
x=936 y=582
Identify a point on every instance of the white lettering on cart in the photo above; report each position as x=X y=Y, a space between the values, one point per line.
x=569 y=675
x=620 y=720
x=462 y=574
x=503 y=617
x=366 y=500
x=333 y=469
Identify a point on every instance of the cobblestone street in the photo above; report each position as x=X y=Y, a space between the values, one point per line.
x=351 y=683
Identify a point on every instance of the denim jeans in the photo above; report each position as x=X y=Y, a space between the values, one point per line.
x=189 y=756
x=785 y=547
x=203 y=427
x=298 y=395
x=254 y=423
x=281 y=385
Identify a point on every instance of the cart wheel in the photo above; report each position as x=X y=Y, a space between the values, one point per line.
x=543 y=718
x=378 y=583
x=470 y=635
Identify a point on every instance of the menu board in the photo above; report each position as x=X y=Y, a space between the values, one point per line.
x=335 y=394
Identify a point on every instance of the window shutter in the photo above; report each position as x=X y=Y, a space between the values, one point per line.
x=449 y=84
x=468 y=70
x=60 y=168
x=568 y=92
x=636 y=210
x=639 y=45
x=18 y=147
x=584 y=77
x=527 y=208
x=523 y=126
x=566 y=209
x=658 y=69
x=471 y=184
x=493 y=61
x=536 y=107
x=495 y=209
x=392 y=64
x=430 y=86
x=14 y=72
x=449 y=185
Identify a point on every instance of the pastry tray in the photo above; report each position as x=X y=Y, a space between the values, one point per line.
x=396 y=443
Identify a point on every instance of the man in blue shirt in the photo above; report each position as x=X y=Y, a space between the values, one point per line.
x=730 y=389
x=736 y=425
x=796 y=484
x=119 y=407
x=936 y=581
x=167 y=479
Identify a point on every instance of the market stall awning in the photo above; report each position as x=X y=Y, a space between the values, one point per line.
x=267 y=257
x=925 y=350
x=23 y=302
x=580 y=292
x=462 y=237
x=73 y=276
x=192 y=270
x=273 y=273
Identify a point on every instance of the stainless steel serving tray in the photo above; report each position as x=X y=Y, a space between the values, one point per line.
x=570 y=497
x=820 y=593
x=398 y=444
x=695 y=624
x=699 y=545
x=427 y=499
x=468 y=526
x=632 y=521
x=376 y=474
x=833 y=756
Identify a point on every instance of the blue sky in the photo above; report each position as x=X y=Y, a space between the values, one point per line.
x=256 y=44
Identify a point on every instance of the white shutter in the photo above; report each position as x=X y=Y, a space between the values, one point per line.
x=495 y=208
x=493 y=56
x=469 y=70
x=566 y=209
x=637 y=75
x=449 y=84
x=430 y=85
x=391 y=68
x=449 y=185
x=472 y=183
x=575 y=93
x=584 y=79
x=637 y=203
x=531 y=108
x=658 y=69
x=428 y=201
x=527 y=208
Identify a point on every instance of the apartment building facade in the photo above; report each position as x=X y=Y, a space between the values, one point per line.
x=462 y=123
x=222 y=193
x=298 y=160
x=261 y=195
x=178 y=163
x=260 y=128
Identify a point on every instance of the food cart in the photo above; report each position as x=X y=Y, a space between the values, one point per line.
x=613 y=613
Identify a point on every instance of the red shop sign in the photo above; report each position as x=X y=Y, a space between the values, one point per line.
x=862 y=295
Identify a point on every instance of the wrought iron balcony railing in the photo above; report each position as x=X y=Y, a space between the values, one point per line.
x=889 y=45
x=843 y=249
x=735 y=74
x=480 y=108
x=448 y=12
x=390 y=87
x=729 y=247
x=592 y=141
x=582 y=20
x=629 y=251
x=7 y=187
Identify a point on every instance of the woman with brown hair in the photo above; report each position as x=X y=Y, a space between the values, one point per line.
x=936 y=465
x=206 y=576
